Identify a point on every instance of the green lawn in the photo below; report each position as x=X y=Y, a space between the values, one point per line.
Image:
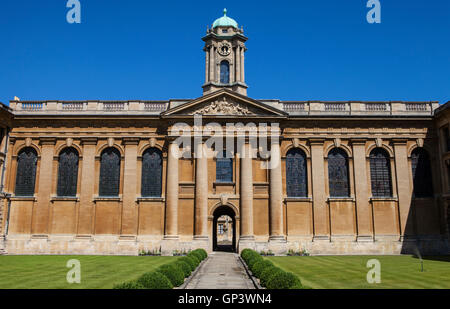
x=97 y=272
x=350 y=272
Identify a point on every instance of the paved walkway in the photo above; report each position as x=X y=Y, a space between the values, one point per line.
x=222 y=270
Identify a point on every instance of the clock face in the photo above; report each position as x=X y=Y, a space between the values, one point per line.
x=224 y=49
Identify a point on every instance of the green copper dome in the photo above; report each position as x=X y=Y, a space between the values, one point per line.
x=225 y=21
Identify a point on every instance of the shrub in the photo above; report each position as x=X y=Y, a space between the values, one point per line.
x=187 y=259
x=173 y=272
x=202 y=253
x=245 y=253
x=259 y=266
x=185 y=267
x=267 y=273
x=254 y=259
x=283 y=280
x=194 y=258
x=197 y=254
x=155 y=280
x=131 y=285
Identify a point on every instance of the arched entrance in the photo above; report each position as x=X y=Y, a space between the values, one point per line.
x=224 y=229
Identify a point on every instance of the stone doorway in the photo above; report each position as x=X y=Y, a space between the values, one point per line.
x=224 y=229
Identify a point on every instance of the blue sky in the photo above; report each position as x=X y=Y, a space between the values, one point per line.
x=297 y=50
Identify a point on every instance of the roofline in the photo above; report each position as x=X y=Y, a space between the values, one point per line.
x=442 y=108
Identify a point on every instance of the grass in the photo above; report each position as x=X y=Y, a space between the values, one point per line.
x=350 y=272
x=97 y=272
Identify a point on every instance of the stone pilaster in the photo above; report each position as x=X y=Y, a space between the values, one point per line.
x=320 y=207
x=363 y=211
x=403 y=188
x=39 y=225
x=238 y=63
x=171 y=237
x=87 y=184
x=277 y=240
x=247 y=238
x=242 y=65
x=129 y=209
x=201 y=195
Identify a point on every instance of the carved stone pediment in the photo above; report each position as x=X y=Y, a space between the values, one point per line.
x=222 y=107
x=224 y=103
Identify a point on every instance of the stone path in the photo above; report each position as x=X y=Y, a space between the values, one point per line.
x=222 y=270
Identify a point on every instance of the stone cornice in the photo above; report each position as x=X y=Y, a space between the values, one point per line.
x=89 y=140
x=47 y=140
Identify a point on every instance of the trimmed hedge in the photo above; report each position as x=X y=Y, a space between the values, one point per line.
x=155 y=280
x=197 y=254
x=283 y=280
x=187 y=259
x=169 y=275
x=173 y=272
x=267 y=273
x=253 y=260
x=194 y=258
x=201 y=253
x=130 y=285
x=259 y=266
x=184 y=266
x=270 y=276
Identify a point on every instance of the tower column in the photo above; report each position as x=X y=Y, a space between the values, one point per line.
x=211 y=63
x=201 y=193
x=238 y=63
x=247 y=238
x=206 y=65
x=242 y=65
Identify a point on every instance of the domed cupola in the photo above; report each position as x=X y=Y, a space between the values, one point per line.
x=225 y=21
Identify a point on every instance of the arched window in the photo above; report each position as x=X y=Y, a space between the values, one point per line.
x=224 y=72
x=67 y=172
x=224 y=167
x=151 y=173
x=26 y=172
x=109 y=172
x=421 y=173
x=380 y=173
x=338 y=173
x=296 y=176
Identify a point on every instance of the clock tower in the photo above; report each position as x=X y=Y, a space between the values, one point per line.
x=224 y=49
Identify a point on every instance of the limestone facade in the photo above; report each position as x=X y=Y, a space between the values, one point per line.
x=184 y=215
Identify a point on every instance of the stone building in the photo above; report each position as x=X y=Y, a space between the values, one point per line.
x=111 y=177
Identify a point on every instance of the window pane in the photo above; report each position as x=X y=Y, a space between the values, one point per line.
x=109 y=172
x=296 y=176
x=224 y=168
x=421 y=173
x=68 y=172
x=224 y=72
x=26 y=172
x=380 y=173
x=151 y=173
x=338 y=173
